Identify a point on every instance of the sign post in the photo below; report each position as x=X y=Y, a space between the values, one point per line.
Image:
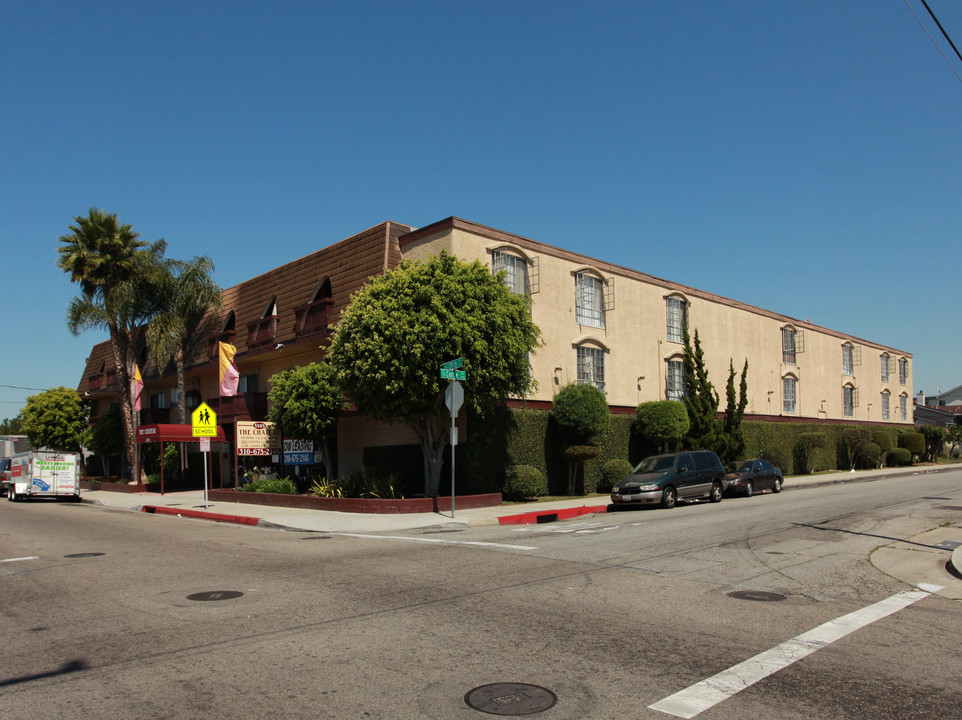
x=203 y=424
x=454 y=399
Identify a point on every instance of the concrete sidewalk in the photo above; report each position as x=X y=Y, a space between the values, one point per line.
x=927 y=558
x=191 y=504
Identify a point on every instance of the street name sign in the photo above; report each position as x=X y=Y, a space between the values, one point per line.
x=453 y=364
x=451 y=374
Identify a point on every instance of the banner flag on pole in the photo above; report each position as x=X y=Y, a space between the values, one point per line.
x=138 y=384
x=229 y=377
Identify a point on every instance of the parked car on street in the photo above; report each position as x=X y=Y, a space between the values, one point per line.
x=666 y=479
x=746 y=477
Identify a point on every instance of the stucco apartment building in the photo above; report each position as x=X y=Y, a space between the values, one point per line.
x=602 y=323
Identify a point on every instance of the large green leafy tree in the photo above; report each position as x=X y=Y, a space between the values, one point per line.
x=187 y=292
x=304 y=403
x=701 y=399
x=402 y=326
x=581 y=413
x=55 y=419
x=105 y=438
x=119 y=276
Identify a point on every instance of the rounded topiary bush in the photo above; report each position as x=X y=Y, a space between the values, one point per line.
x=611 y=472
x=898 y=457
x=883 y=439
x=522 y=482
x=868 y=456
x=914 y=442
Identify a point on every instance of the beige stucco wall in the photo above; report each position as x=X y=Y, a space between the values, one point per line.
x=637 y=348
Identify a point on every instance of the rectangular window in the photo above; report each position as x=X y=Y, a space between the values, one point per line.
x=848 y=401
x=591 y=367
x=789 y=402
x=884 y=363
x=903 y=372
x=247 y=383
x=675 y=389
x=515 y=271
x=677 y=319
x=589 y=300
x=885 y=406
x=788 y=346
x=848 y=362
x=903 y=408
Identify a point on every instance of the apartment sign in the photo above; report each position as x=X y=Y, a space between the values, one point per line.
x=298 y=452
x=257 y=438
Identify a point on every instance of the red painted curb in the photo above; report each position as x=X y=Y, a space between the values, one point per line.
x=200 y=515
x=541 y=516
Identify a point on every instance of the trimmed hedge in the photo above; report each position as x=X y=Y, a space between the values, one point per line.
x=611 y=472
x=898 y=457
x=522 y=482
x=914 y=442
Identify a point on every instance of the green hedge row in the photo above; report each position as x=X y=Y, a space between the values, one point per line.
x=504 y=438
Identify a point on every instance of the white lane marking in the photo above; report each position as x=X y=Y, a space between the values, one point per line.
x=32 y=557
x=699 y=697
x=434 y=540
x=575 y=528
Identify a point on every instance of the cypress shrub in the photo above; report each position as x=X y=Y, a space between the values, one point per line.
x=898 y=457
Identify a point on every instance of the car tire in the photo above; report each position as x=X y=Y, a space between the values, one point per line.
x=777 y=487
x=715 y=494
x=669 y=498
x=749 y=489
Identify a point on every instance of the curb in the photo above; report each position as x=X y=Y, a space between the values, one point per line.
x=543 y=516
x=200 y=515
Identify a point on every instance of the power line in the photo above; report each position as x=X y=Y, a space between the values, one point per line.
x=17 y=387
x=944 y=34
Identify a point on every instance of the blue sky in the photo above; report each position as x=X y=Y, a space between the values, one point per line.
x=802 y=157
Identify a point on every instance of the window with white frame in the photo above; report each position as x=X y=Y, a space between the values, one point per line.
x=849 y=401
x=789 y=395
x=675 y=385
x=903 y=372
x=515 y=271
x=885 y=405
x=589 y=300
x=677 y=318
x=788 y=345
x=903 y=407
x=884 y=364
x=591 y=366
x=848 y=359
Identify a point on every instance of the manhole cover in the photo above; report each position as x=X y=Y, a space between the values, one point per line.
x=215 y=595
x=317 y=537
x=83 y=555
x=948 y=545
x=510 y=699
x=757 y=595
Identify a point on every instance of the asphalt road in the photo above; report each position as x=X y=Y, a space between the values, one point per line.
x=605 y=615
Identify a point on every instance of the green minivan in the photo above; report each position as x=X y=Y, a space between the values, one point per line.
x=666 y=479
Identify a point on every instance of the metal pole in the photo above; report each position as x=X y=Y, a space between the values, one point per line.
x=205 y=479
x=454 y=430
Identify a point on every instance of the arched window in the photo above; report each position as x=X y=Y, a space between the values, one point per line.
x=790 y=395
x=849 y=400
x=886 y=412
x=261 y=333
x=675 y=378
x=313 y=319
x=590 y=358
x=676 y=317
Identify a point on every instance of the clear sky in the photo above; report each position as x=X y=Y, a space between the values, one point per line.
x=805 y=157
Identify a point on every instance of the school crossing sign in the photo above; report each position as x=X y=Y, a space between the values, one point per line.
x=203 y=421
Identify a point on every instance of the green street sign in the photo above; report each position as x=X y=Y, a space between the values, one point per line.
x=451 y=374
x=452 y=364
x=460 y=375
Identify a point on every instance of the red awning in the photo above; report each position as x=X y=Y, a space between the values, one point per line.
x=173 y=433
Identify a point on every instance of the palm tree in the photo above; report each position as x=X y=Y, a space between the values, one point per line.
x=118 y=277
x=188 y=293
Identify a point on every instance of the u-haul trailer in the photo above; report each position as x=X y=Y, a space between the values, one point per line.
x=43 y=473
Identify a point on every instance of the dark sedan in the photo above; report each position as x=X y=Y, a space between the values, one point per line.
x=750 y=476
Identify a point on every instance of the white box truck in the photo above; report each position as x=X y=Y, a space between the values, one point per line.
x=43 y=473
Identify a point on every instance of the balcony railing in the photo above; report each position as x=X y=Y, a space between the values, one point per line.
x=312 y=320
x=248 y=406
x=260 y=334
x=213 y=344
x=103 y=381
x=155 y=416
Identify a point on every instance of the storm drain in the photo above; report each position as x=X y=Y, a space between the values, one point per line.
x=215 y=595
x=756 y=595
x=510 y=699
x=948 y=545
x=83 y=555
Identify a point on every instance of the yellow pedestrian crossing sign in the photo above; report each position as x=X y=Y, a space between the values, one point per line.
x=203 y=421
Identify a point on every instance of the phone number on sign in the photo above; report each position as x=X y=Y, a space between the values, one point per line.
x=253 y=451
